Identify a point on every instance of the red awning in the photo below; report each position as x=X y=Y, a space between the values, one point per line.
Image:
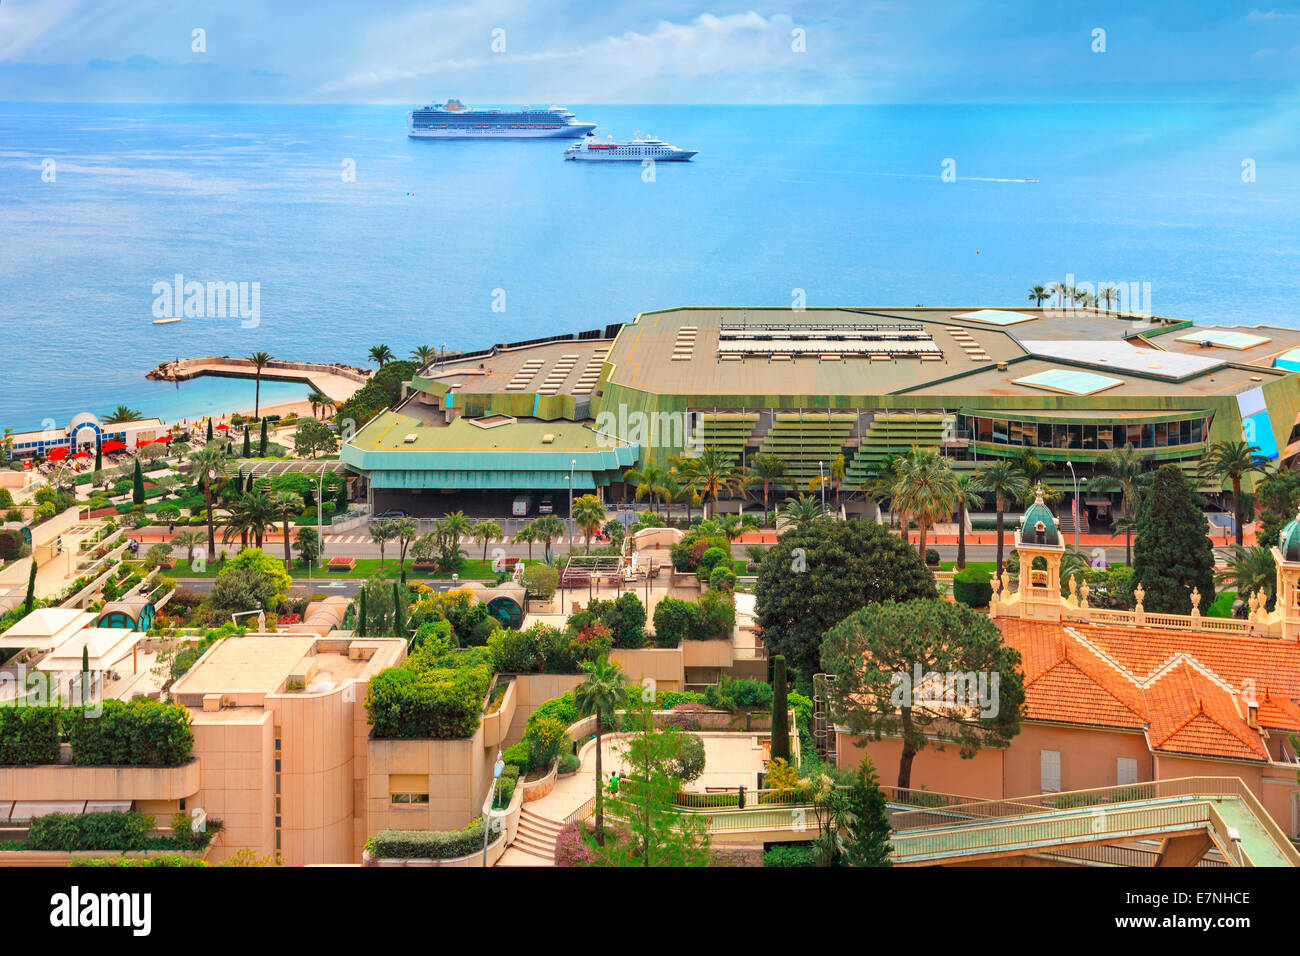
x=114 y=446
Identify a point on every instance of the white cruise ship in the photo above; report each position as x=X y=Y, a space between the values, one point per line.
x=452 y=120
x=638 y=150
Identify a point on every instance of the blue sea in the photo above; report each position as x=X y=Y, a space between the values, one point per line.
x=418 y=246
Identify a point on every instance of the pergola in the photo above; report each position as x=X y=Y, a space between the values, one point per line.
x=262 y=468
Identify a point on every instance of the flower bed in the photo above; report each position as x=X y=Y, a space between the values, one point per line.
x=342 y=564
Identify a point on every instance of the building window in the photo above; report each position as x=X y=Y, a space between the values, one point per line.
x=406 y=799
x=1126 y=771
x=1050 y=771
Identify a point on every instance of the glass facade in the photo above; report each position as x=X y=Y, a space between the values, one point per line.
x=1083 y=437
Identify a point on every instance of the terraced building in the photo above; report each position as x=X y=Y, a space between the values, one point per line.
x=811 y=385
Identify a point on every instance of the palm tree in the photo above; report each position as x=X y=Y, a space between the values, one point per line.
x=804 y=510
x=187 y=541
x=766 y=468
x=123 y=413
x=528 y=534
x=1060 y=290
x=210 y=464
x=423 y=353
x=548 y=528
x=382 y=532
x=601 y=694
x=405 y=530
x=671 y=489
x=249 y=517
x=1108 y=294
x=713 y=473
x=1249 y=570
x=1005 y=482
x=837 y=469
x=1231 y=461
x=1123 y=470
x=381 y=354
x=1037 y=294
x=484 y=532
x=451 y=529
x=260 y=361
x=926 y=491
x=287 y=504
x=882 y=486
x=646 y=481
x=317 y=400
x=968 y=497
x=589 y=515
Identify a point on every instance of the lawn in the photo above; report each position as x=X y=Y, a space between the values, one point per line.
x=363 y=569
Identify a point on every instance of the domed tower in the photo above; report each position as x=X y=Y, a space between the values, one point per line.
x=1287 y=557
x=1039 y=541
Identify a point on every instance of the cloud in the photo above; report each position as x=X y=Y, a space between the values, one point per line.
x=137 y=62
x=1261 y=16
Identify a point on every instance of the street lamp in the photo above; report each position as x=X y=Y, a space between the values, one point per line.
x=821 y=480
x=573 y=463
x=1078 y=505
x=497 y=769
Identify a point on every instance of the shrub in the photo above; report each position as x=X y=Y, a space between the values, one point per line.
x=931 y=556
x=541 y=580
x=722 y=579
x=673 y=621
x=972 y=587
x=427 y=844
x=688 y=765
x=789 y=854
x=711 y=558
x=570 y=850
x=517 y=756
x=135 y=733
x=411 y=701
x=743 y=694
x=569 y=763
x=625 y=618
x=90 y=831
x=545 y=738
x=715 y=617
x=28 y=736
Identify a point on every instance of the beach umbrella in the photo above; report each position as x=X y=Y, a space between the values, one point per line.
x=81 y=454
x=223 y=427
x=114 y=445
x=57 y=454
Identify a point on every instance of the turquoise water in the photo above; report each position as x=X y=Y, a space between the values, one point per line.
x=844 y=203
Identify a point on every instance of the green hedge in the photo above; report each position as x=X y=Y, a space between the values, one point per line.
x=972 y=587
x=427 y=844
x=29 y=736
x=440 y=703
x=135 y=733
x=90 y=831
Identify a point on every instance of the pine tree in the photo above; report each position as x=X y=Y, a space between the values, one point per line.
x=361 y=614
x=262 y=441
x=137 y=484
x=1171 y=551
x=866 y=842
x=30 y=601
x=780 y=711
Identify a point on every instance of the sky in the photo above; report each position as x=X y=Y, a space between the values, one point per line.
x=492 y=52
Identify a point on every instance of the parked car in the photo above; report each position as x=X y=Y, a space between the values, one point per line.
x=394 y=514
x=546 y=506
x=521 y=505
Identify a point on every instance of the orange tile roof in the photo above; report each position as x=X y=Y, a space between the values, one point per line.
x=1187 y=690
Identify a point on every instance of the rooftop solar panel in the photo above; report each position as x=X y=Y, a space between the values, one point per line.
x=1070 y=381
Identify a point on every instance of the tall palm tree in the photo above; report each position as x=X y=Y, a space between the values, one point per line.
x=714 y=473
x=1005 y=482
x=589 y=515
x=968 y=497
x=1060 y=290
x=187 y=541
x=601 y=694
x=1108 y=294
x=527 y=534
x=210 y=464
x=671 y=489
x=381 y=354
x=645 y=481
x=248 y=517
x=1038 y=293
x=123 y=413
x=837 y=469
x=881 y=488
x=484 y=532
x=287 y=504
x=382 y=532
x=547 y=528
x=766 y=468
x=926 y=491
x=260 y=361
x=1123 y=470
x=1231 y=461
x=423 y=354
x=317 y=399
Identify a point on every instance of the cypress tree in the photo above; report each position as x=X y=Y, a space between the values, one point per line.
x=99 y=453
x=341 y=502
x=209 y=428
x=262 y=441
x=780 y=711
x=30 y=601
x=361 y=613
x=248 y=450
x=1171 y=551
x=137 y=484
x=398 y=623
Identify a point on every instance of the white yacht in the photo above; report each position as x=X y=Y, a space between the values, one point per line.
x=637 y=150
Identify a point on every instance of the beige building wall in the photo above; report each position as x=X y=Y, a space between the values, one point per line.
x=237 y=777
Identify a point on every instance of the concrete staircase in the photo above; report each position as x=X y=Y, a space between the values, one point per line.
x=534 y=843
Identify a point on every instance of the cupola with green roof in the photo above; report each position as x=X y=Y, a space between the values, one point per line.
x=1288 y=540
x=1038 y=525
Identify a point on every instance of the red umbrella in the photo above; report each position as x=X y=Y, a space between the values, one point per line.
x=82 y=454
x=223 y=427
x=114 y=445
x=57 y=454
